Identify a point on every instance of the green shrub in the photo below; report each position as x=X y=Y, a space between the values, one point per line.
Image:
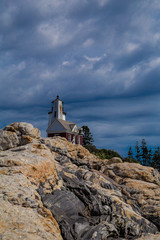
x=130 y=160
x=102 y=153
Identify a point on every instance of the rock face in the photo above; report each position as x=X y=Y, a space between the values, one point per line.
x=51 y=189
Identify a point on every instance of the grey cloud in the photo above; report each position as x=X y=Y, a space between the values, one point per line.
x=140 y=55
x=102 y=59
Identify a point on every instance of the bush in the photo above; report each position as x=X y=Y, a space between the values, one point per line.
x=102 y=153
x=130 y=160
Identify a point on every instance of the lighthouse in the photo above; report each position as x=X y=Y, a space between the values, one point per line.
x=58 y=126
x=56 y=111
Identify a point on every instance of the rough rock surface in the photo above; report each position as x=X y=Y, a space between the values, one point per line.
x=51 y=189
x=17 y=134
x=22 y=169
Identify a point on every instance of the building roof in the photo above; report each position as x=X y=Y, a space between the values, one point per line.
x=67 y=126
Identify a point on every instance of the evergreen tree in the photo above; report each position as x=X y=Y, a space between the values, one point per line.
x=130 y=153
x=150 y=157
x=156 y=158
x=138 y=156
x=144 y=154
x=87 y=136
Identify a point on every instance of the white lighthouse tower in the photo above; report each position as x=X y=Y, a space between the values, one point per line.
x=56 y=111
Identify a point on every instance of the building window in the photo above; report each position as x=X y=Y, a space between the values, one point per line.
x=55 y=114
x=69 y=137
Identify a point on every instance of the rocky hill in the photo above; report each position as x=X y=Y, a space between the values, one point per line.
x=53 y=190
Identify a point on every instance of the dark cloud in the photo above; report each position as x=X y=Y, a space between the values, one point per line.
x=100 y=56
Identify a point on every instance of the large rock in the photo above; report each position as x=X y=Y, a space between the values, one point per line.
x=133 y=171
x=51 y=189
x=17 y=134
x=141 y=184
x=22 y=213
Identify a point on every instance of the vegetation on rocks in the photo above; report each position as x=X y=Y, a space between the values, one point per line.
x=88 y=141
x=140 y=154
x=102 y=153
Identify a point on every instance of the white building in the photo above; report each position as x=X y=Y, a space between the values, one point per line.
x=58 y=126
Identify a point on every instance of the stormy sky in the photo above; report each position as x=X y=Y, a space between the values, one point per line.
x=102 y=57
